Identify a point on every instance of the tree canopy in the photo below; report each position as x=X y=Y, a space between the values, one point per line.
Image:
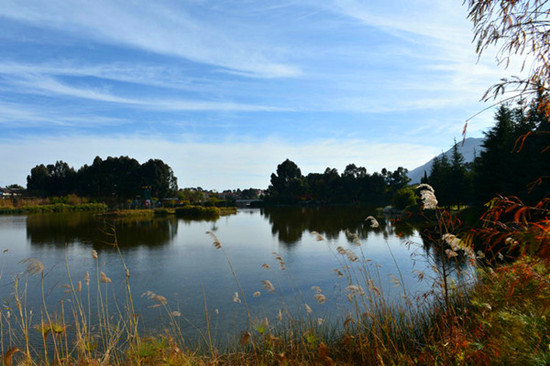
x=121 y=177
x=354 y=185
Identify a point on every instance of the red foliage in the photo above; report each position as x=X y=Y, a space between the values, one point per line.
x=516 y=229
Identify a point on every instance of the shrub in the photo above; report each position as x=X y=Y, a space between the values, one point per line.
x=198 y=212
x=403 y=198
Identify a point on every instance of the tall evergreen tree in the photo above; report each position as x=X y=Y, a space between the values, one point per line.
x=458 y=183
x=495 y=164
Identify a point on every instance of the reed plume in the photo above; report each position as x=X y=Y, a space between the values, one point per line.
x=104 y=278
x=34 y=266
x=217 y=244
x=268 y=286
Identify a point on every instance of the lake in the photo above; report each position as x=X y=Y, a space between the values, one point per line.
x=176 y=259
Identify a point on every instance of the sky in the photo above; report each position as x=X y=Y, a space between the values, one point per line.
x=225 y=90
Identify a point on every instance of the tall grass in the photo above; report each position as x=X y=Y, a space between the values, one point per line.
x=500 y=317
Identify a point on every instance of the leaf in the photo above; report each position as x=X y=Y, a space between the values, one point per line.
x=8 y=355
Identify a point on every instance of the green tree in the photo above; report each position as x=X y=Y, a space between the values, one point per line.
x=458 y=178
x=495 y=166
x=440 y=176
x=160 y=177
x=287 y=184
x=403 y=198
x=38 y=182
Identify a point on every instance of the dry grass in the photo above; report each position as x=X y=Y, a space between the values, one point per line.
x=501 y=319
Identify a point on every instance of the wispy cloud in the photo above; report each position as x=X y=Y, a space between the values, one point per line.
x=21 y=115
x=49 y=86
x=163 y=27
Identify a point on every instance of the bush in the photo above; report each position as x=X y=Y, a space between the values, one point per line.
x=198 y=212
x=403 y=198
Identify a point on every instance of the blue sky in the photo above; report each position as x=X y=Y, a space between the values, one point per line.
x=223 y=91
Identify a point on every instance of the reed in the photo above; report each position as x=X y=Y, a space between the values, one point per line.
x=500 y=317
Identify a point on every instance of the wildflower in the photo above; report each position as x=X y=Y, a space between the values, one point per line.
x=511 y=242
x=280 y=259
x=94 y=254
x=34 y=266
x=351 y=256
x=236 y=298
x=395 y=280
x=419 y=274
x=318 y=236
x=450 y=253
x=353 y=237
x=161 y=300
x=316 y=289
x=308 y=309
x=79 y=286
x=320 y=298
x=216 y=242
x=268 y=286
x=256 y=294
x=355 y=289
x=452 y=241
x=104 y=278
x=279 y=315
x=427 y=195
x=373 y=222
x=266 y=266
x=373 y=287
x=425 y=186
x=175 y=313
x=341 y=250
x=338 y=272
x=87 y=279
x=320 y=321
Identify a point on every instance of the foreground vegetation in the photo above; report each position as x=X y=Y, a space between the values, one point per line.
x=49 y=205
x=498 y=316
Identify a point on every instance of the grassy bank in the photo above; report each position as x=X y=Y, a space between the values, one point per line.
x=51 y=208
x=188 y=211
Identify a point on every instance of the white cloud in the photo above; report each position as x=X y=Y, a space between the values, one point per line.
x=20 y=115
x=159 y=27
x=49 y=86
x=217 y=165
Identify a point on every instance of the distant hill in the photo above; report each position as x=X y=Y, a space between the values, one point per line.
x=471 y=145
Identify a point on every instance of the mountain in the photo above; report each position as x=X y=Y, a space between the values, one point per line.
x=471 y=147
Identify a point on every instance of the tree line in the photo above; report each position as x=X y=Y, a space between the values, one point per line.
x=354 y=185
x=115 y=177
x=514 y=161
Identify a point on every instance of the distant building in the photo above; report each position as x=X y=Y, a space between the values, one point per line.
x=9 y=193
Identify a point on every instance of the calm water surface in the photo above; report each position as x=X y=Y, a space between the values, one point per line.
x=175 y=258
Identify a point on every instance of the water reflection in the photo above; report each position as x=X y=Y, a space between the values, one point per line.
x=288 y=224
x=175 y=258
x=59 y=230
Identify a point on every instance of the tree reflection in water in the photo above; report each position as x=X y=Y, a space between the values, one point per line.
x=288 y=224
x=63 y=229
